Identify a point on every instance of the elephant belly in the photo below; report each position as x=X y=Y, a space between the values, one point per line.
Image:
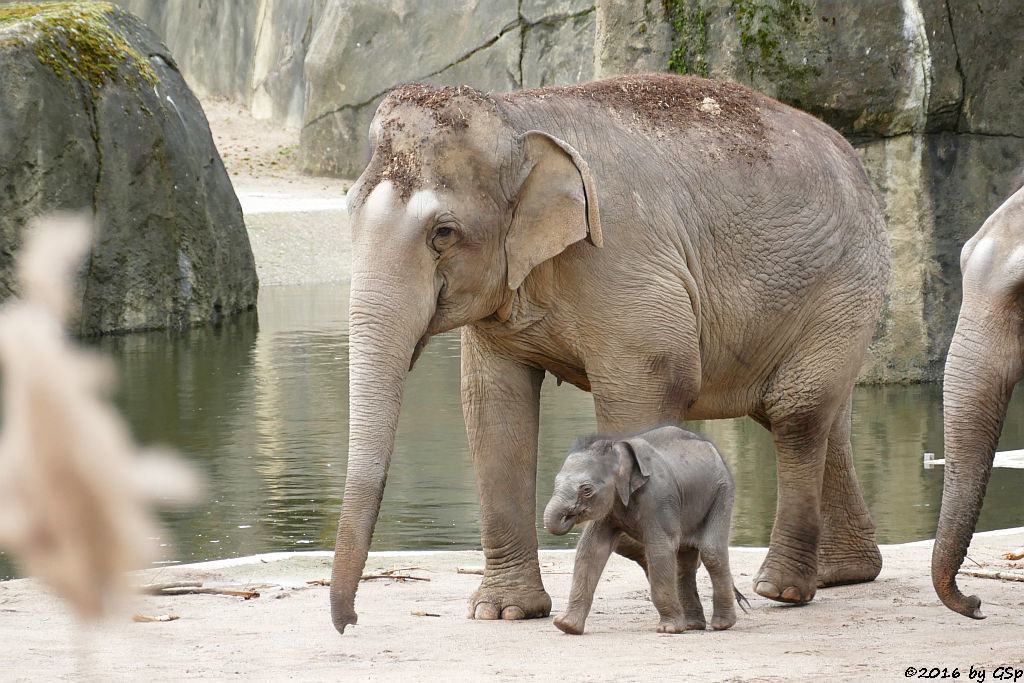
x=714 y=404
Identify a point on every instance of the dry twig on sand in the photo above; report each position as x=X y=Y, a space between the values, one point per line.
x=194 y=588
x=396 y=574
x=992 y=574
x=143 y=619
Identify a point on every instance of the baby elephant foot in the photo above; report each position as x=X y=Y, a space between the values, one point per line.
x=720 y=622
x=680 y=625
x=569 y=624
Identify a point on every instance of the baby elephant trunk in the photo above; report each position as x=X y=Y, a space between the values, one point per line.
x=559 y=515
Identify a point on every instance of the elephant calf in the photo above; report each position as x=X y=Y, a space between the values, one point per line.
x=663 y=497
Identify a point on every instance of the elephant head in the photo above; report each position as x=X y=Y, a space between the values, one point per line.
x=985 y=361
x=453 y=211
x=594 y=474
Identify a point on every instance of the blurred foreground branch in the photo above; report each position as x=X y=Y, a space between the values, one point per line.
x=75 y=491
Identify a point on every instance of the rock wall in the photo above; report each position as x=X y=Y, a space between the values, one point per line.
x=928 y=91
x=95 y=116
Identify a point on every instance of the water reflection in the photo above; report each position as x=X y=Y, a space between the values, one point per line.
x=261 y=405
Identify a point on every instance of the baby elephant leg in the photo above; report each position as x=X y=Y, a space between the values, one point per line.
x=592 y=552
x=688 y=559
x=716 y=559
x=662 y=560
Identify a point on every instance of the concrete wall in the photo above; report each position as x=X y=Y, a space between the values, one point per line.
x=928 y=91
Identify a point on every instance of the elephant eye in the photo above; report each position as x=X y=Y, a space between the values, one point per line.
x=586 y=490
x=444 y=235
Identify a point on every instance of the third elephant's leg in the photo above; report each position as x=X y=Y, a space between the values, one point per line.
x=848 y=552
x=501 y=404
x=790 y=571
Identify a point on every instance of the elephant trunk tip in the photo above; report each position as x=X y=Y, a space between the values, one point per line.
x=967 y=605
x=342 y=616
x=949 y=593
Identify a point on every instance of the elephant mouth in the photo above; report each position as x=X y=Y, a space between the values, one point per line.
x=564 y=524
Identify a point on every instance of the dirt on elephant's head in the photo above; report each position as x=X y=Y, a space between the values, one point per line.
x=451 y=106
x=412 y=119
x=659 y=103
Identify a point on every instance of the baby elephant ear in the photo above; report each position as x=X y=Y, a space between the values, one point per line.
x=636 y=456
x=555 y=205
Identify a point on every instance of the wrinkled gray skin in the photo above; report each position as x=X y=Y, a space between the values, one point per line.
x=666 y=491
x=681 y=248
x=985 y=361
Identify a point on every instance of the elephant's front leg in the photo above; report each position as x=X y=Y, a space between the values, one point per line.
x=501 y=404
x=592 y=554
x=662 y=570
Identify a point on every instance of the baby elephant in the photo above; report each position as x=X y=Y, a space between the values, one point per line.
x=662 y=497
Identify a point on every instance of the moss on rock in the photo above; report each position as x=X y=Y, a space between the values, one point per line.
x=689 y=38
x=766 y=25
x=75 y=40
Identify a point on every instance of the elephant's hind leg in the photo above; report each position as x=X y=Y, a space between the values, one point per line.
x=688 y=559
x=848 y=552
x=789 y=572
x=632 y=549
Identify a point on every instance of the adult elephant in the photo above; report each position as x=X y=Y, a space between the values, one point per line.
x=681 y=248
x=985 y=361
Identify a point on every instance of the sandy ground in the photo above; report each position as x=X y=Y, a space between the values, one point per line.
x=415 y=630
x=261 y=156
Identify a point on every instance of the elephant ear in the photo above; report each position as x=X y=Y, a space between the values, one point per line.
x=556 y=205
x=635 y=460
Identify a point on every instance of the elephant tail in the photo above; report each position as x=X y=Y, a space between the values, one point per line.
x=741 y=599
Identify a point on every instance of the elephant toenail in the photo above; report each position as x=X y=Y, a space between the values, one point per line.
x=791 y=594
x=486 y=611
x=513 y=612
x=767 y=589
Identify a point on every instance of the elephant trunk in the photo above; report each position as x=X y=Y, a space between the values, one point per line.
x=981 y=370
x=387 y=319
x=559 y=514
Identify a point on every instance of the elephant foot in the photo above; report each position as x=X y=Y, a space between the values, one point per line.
x=695 y=624
x=720 y=622
x=853 y=563
x=499 y=600
x=784 y=582
x=680 y=625
x=569 y=625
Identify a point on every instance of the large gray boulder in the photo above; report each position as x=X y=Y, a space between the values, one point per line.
x=95 y=116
